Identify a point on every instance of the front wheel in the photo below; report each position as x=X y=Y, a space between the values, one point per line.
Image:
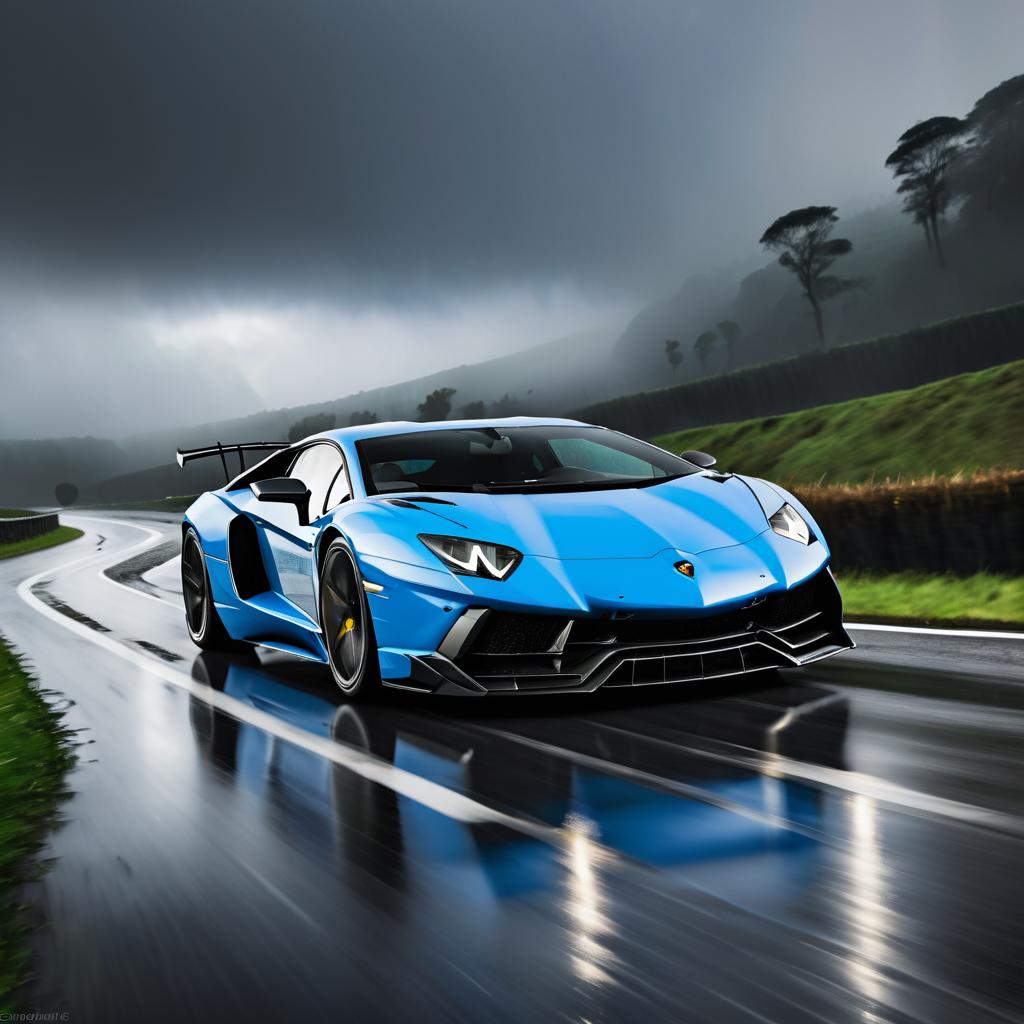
x=346 y=623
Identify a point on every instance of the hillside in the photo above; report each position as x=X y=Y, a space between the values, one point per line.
x=889 y=363
x=959 y=425
x=555 y=375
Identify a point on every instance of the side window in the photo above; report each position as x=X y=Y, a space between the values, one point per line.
x=580 y=453
x=317 y=467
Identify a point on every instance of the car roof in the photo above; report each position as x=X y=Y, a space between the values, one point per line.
x=361 y=432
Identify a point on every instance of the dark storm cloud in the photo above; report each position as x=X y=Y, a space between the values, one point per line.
x=457 y=142
x=199 y=196
x=386 y=147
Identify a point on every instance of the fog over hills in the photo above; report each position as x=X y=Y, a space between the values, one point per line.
x=321 y=219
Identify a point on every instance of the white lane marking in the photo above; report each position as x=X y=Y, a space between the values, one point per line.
x=645 y=778
x=118 y=522
x=856 y=783
x=423 y=791
x=982 y=633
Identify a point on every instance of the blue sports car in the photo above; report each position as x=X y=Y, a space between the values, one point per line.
x=506 y=555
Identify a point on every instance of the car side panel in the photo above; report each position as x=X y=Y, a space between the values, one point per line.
x=267 y=617
x=210 y=515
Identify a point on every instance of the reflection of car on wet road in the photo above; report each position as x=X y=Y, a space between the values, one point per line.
x=710 y=820
x=506 y=555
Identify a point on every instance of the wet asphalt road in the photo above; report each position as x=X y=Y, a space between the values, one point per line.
x=842 y=843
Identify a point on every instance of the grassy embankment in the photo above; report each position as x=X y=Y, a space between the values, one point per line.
x=954 y=426
x=838 y=373
x=46 y=540
x=950 y=428
x=982 y=600
x=35 y=754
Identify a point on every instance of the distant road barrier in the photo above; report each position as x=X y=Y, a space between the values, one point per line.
x=26 y=527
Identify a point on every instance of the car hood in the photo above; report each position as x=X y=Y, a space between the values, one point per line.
x=692 y=514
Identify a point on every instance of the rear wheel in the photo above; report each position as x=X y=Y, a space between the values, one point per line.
x=204 y=625
x=346 y=623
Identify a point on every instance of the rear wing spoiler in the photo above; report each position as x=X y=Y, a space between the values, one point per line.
x=191 y=454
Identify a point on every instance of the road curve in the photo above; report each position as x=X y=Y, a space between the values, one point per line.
x=842 y=843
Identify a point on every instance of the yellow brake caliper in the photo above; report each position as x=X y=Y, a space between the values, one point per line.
x=348 y=625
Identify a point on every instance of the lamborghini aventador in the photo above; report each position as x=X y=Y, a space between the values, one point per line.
x=506 y=555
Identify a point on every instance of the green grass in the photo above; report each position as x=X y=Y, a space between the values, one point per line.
x=175 y=503
x=45 y=540
x=977 y=600
x=958 y=425
x=14 y=513
x=35 y=753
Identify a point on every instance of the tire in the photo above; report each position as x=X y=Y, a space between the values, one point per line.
x=346 y=623
x=201 y=618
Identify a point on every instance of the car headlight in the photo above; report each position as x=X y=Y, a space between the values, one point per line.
x=474 y=557
x=787 y=522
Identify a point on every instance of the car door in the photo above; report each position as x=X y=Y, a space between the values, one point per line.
x=321 y=468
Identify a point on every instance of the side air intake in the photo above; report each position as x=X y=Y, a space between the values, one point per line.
x=245 y=560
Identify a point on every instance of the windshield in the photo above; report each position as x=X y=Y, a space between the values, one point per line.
x=514 y=459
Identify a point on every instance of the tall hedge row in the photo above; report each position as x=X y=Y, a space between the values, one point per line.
x=889 y=363
x=940 y=525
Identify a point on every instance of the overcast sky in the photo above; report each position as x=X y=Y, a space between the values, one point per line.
x=208 y=208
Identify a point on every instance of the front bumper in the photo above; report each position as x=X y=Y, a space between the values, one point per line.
x=489 y=651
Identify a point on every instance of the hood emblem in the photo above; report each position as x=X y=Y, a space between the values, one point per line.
x=686 y=568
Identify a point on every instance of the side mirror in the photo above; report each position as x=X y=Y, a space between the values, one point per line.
x=285 y=490
x=700 y=459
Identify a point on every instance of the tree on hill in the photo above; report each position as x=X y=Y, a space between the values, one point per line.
x=703 y=346
x=922 y=160
x=994 y=169
x=802 y=237
x=731 y=332
x=66 y=494
x=474 y=411
x=917 y=206
x=436 y=406
x=361 y=416
x=317 y=423
x=507 y=405
x=672 y=353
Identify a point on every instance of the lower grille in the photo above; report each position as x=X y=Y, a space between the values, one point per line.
x=511 y=633
x=514 y=651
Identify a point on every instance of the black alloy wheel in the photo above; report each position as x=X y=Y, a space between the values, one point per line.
x=204 y=625
x=346 y=622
